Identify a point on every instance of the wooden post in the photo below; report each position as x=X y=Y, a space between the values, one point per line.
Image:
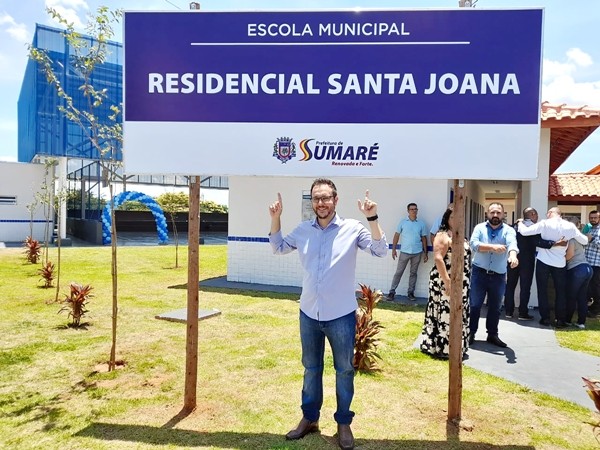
x=191 y=354
x=456 y=309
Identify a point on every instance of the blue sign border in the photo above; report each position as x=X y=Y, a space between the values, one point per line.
x=486 y=63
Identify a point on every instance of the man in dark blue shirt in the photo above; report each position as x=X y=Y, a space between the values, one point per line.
x=523 y=273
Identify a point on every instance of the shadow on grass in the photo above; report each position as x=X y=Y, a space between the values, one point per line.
x=207 y=285
x=144 y=434
x=242 y=291
x=251 y=293
x=83 y=326
x=396 y=306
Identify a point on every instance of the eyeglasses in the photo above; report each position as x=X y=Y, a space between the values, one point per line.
x=325 y=199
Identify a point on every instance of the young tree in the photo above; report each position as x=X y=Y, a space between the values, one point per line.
x=32 y=207
x=45 y=196
x=59 y=199
x=172 y=203
x=105 y=138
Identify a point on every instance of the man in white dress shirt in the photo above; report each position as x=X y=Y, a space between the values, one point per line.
x=551 y=262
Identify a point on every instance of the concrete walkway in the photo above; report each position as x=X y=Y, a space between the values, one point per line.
x=533 y=357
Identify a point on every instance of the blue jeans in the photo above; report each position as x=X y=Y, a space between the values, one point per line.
x=492 y=285
x=341 y=334
x=559 y=277
x=578 y=280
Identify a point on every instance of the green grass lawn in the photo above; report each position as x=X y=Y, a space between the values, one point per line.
x=55 y=394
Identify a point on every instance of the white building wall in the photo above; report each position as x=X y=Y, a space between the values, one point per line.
x=539 y=187
x=22 y=181
x=535 y=194
x=251 y=260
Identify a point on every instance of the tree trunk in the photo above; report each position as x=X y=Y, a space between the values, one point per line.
x=113 y=235
x=176 y=238
x=456 y=308
x=191 y=357
x=58 y=244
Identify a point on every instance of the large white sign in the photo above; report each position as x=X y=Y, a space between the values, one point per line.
x=419 y=93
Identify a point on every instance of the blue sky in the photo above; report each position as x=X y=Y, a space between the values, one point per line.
x=571 y=70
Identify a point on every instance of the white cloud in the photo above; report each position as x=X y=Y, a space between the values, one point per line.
x=560 y=81
x=18 y=31
x=566 y=90
x=555 y=69
x=579 y=57
x=75 y=4
x=69 y=10
x=13 y=51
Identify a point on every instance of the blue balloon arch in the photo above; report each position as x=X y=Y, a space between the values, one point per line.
x=157 y=212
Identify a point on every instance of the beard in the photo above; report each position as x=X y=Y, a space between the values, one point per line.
x=323 y=213
x=495 y=221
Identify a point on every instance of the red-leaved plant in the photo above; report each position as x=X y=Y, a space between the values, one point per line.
x=75 y=302
x=47 y=273
x=367 y=330
x=33 y=249
x=593 y=389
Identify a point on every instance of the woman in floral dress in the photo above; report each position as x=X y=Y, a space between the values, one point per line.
x=436 y=327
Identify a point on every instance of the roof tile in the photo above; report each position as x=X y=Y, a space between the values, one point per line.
x=573 y=186
x=563 y=111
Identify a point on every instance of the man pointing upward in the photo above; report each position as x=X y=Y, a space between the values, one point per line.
x=328 y=247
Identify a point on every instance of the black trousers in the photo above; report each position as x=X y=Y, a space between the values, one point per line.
x=522 y=274
x=594 y=290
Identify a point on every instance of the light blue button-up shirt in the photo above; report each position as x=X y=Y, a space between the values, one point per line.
x=411 y=233
x=328 y=257
x=485 y=234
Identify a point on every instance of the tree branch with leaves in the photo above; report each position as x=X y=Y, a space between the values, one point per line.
x=86 y=53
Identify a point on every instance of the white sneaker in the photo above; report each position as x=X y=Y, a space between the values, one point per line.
x=580 y=326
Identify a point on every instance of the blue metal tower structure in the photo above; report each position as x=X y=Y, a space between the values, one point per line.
x=43 y=130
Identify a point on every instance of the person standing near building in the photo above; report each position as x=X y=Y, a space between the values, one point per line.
x=435 y=334
x=436 y=225
x=551 y=262
x=412 y=234
x=588 y=226
x=592 y=254
x=579 y=274
x=328 y=247
x=494 y=245
x=523 y=272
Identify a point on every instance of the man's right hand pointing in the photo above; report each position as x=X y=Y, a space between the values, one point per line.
x=276 y=208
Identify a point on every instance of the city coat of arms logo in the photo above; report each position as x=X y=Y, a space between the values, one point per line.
x=284 y=149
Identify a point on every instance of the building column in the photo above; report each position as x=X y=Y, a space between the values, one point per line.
x=61 y=187
x=539 y=187
x=82 y=202
x=535 y=193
